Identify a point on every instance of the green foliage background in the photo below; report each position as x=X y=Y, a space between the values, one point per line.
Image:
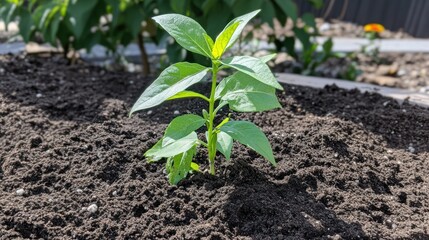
x=80 y=24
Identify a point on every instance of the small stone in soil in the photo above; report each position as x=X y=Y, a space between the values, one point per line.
x=149 y=112
x=401 y=72
x=114 y=193
x=20 y=192
x=176 y=112
x=92 y=208
x=79 y=190
x=39 y=95
x=411 y=149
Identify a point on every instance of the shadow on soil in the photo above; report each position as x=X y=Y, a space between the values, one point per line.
x=262 y=209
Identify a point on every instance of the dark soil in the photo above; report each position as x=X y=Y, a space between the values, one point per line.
x=351 y=165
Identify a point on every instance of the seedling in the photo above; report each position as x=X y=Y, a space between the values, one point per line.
x=250 y=89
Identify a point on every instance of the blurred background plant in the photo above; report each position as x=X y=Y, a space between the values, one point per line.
x=72 y=25
x=372 y=33
x=79 y=24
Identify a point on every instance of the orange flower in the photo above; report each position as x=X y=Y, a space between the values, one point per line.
x=373 y=27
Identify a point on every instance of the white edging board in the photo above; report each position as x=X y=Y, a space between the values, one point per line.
x=400 y=95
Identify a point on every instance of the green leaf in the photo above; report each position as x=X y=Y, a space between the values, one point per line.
x=187 y=32
x=268 y=57
x=246 y=94
x=268 y=13
x=223 y=40
x=250 y=135
x=115 y=10
x=223 y=122
x=53 y=29
x=243 y=20
x=327 y=46
x=289 y=44
x=8 y=14
x=188 y=94
x=133 y=18
x=208 y=5
x=182 y=126
x=289 y=8
x=316 y=3
x=213 y=23
x=303 y=37
x=42 y=14
x=209 y=41
x=308 y=19
x=179 y=6
x=205 y=114
x=253 y=67
x=172 y=80
x=195 y=167
x=224 y=144
x=230 y=3
x=80 y=12
x=181 y=165
x=25 y=25
x=242 y=6
x=160 y=150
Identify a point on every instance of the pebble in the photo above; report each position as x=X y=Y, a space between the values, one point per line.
x=325 y=27
x=79 y=190
x=176 y=112
x=389 y=223
x=93 y=208
x=39 y=95
x=114 y=193
x=424 y=89
x=411 y=149
x=401 y=72
x=131 y=82
x=20 y=192
x=336 y=155
x=1 y=70
x=149 y=112
x=386 y=103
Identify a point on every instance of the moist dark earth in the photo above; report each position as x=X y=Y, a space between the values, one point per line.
x=351 y=165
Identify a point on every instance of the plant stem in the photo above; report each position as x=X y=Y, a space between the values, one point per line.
x=211 y=141
x=143 y=55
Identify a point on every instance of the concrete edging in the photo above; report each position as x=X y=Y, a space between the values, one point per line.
x=400 y=95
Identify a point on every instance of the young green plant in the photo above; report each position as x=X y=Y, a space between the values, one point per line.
x=250 y=89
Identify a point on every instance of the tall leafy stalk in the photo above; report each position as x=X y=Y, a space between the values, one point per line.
x=250 y=89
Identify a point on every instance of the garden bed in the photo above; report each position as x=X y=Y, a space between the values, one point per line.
x=350 y=165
